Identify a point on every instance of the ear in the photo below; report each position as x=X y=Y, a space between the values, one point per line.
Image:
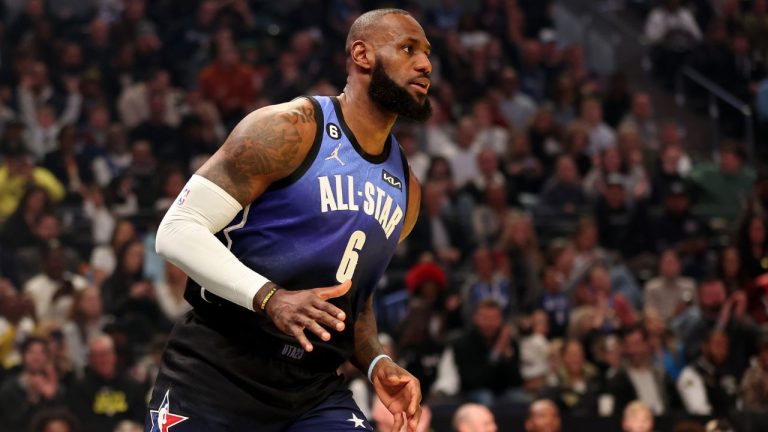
x=361 y=54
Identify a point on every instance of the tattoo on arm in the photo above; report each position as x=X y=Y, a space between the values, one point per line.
x=367 y=344
x=268 y=146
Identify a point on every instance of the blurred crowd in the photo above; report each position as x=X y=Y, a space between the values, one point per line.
x=569 y=245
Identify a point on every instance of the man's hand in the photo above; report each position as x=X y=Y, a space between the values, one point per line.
x=400 y=392
x=296 y=311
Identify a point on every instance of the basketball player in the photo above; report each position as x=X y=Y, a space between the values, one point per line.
x=284 y=233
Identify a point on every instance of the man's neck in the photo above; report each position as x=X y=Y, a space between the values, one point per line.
x=370 y=124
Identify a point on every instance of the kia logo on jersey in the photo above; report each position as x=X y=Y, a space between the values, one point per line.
x=392 y=180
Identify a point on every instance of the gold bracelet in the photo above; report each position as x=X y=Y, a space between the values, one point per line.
x=268 y=296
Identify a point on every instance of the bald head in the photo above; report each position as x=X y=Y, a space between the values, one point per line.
x=367 y=24
x=472 y=417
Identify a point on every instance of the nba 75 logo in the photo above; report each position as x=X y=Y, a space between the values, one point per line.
x=392 y=180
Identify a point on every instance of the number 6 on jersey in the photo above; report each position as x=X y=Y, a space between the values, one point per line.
x=349 y=259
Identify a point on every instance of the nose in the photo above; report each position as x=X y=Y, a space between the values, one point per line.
x=423 y=65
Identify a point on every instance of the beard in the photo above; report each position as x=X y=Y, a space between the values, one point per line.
x=392 y=97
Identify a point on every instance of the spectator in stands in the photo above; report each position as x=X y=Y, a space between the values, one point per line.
x=666 y=349
x=472 y=417
x=170 y=293
x=754 y=384
x=86 y=320
x=669 y=293
x=432 y=312
x=17 y=172
x=464 y=161
x=33 y=389
x=601 y=136
x=575 y=384
x=672 y=32
x=490 y=215
x=753 y=246
x=54 y=420
x=104 y=257
x=554 y=302
x=642 y=119
x=678 y=228
x=543 y=135
x=535 y=353
x=722 y=191
x=487 y=282
x=483 y=364
x=157 y=132
x=437 y=231
x=533 y=77
x=637 y=418
x=717 y=310
x=18 y=229
x=68 y=164
x=127 y=281
x=756 y=28
x=489 y=134
x=706 y=386
x=488 y=174
x=53 y=289
x=524 y=170
x=622 y=226
x=543 y=416
x=639 y=380
x=106 y=396
x=609 y=163
x=517 y=108
x=577 y=146
x=520 y=243
x=229 y=83
x=562 y=196
x=731 y=270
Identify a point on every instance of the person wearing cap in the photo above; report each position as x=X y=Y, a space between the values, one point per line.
x=622 y=227
x=17 y=173
x=679 y=229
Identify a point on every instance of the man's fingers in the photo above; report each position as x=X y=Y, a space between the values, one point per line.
x=413 y=405
x=326 y=319
x=334 y=291
x=332 y=311
x=298 y=333
x=399 y=422
x=413 y=420
x=317 y=329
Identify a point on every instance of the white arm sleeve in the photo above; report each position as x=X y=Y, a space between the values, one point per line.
x=185 y=238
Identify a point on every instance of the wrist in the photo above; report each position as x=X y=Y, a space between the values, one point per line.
x=263 y=297
x=375 y=361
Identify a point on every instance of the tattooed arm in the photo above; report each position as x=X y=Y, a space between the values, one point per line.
x=267 y=145
x=398 y=390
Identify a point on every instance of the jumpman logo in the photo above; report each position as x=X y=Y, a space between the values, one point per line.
x=358 y=421
x=335 y=154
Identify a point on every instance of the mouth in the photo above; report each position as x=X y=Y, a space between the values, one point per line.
x=422 y=85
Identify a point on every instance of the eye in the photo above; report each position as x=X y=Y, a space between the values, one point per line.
x=408 y=49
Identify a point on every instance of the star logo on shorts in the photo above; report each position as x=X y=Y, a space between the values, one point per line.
x=162 y=418
x=358 y=421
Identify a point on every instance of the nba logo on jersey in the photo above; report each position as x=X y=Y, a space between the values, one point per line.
x=162 y=418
